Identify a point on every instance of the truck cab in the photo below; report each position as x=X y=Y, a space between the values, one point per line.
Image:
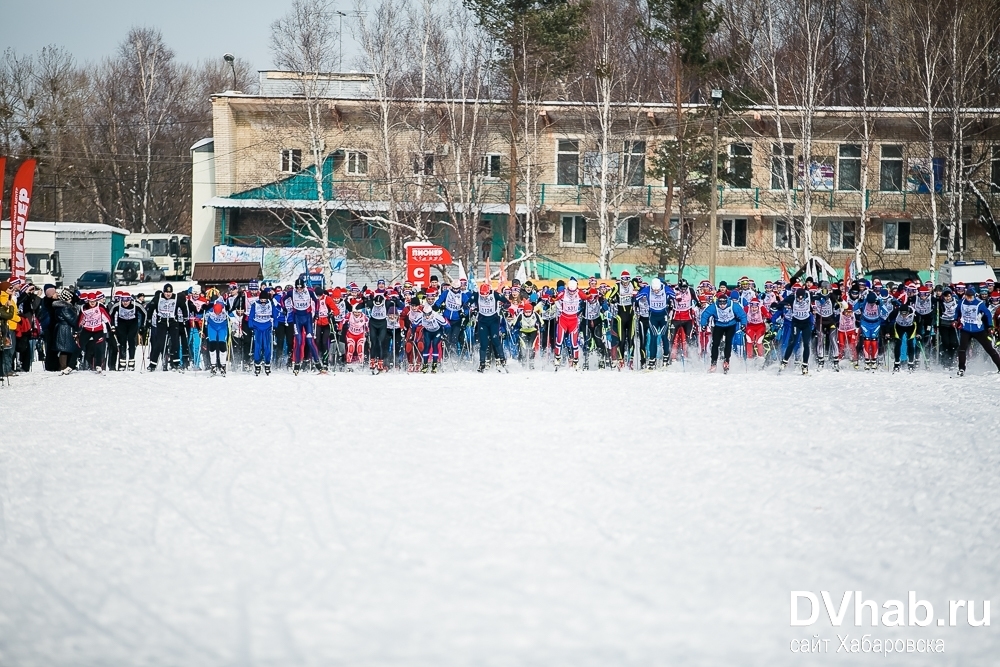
x=43 y=267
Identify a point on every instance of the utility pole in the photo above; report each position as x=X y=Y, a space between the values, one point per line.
x=713 y=232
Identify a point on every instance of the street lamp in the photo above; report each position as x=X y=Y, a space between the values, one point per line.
x=713 y=235
x=340 y=37
x=231 y=59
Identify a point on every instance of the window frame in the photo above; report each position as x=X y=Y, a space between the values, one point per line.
x=735 y=159
x=784 y=152
x=995 y=169
x=367 y=234
x=909 y=236
x=576 y=220
x=627 y=243
x=292 y=157
x=559 y=167
x=420 y=168
x=796 y=227
x=943 y=239
x=840 y=247
x=486 y=166
x=848 y=158
x=348 y=155
x=628 y=155
x=733 y=233
x=882 y=165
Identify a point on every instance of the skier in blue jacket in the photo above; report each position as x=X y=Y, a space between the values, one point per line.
x=261 y=319
x=975 y=321
x=217 y=332
x=727 y=314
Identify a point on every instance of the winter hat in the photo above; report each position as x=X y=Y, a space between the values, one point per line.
x=253 y=286
x=67 y=294
x=168 y=287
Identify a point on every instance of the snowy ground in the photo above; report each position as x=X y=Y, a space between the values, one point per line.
x=544 y=519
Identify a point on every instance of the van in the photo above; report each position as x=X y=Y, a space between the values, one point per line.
x=970 y=273
x=134 y=270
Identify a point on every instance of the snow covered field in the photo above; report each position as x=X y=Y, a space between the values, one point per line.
x=461 y=519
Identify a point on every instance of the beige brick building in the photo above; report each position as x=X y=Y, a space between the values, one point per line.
x=422 y=166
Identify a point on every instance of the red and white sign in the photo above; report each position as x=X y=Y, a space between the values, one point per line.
x=20 y=203
x=420 y=257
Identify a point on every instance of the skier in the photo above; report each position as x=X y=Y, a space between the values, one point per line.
x=903 y=326
x=488 y=304
x=127 y=320
x=871 y=326
x=592 y=327
x=197 y=305
x=433 y=324
x=847 y=334
x=947 y=314
x=923 y=308
x=326 y=312
x=657 y=297
x=356 y=332
x=975 y=322
x=454 y=300
x=726 y=314
x=527 y=326
x=301 y=308
x=568 y=303
x=217 y=334
x=167 y=314
x=800 y=306
x=826 y=325
x=94 y=325
x=621 y=297
x=261 y=319
x=757 y=318
x=684 y=316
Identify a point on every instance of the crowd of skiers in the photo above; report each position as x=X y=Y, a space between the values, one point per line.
x=626 y=324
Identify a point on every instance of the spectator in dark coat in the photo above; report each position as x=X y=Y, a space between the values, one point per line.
x=66 y=317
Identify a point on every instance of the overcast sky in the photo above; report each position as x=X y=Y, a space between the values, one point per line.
x=195 y=29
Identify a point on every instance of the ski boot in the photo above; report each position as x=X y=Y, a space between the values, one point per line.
x=601 y=365
x=895 y=367
x=256 y=369
x=836 y=365
x=222 y=369
x=267 y=369
x=131 y=365
x=296 y=368
x=215 y=370
x=805 y=369
x=121 y=365
x=152 y=367
x=783 y=366
x=711 y=369
x=960 y=372
x=651 y=365
x=725 y=367
x=434 y=367
x=482 y=367
x=556 y=363
x=820 y=363
x=424 y=367
x=910 y=368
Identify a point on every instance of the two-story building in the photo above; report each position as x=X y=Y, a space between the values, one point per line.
x=396 y=169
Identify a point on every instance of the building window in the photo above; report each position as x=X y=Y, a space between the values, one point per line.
x=574 y=230
x=634 y=165
x=995 y=169
x=740 y=165
x=891 y=169
x=423 y=164
x=357 y=163
x=842 y=234
x=568 y=162
x=491 y=166
x=362 y=231
x=782 y=166
x=849 y=167
x=897 y=236
x=291 y=160
x=785 y=234
x=627 y=231
x=960 y=245
x=734 y=233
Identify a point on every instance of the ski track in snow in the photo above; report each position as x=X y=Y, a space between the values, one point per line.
x=540 y=518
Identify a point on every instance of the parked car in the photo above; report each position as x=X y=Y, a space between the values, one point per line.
x=135 y=270
x=893 y=275
x=95 y=280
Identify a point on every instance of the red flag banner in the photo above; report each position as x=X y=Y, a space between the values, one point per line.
x=784 y=274
x=20 y=203
x=420 y=257
x=3 y=178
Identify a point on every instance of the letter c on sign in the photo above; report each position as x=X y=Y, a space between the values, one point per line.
x=419 y=273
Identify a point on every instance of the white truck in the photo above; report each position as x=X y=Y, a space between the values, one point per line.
x=171 y=252
x=970 y=272
x=60 y=252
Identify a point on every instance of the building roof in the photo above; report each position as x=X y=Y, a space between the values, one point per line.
x=36 y=226
x=227 y=272
x=338 y=205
